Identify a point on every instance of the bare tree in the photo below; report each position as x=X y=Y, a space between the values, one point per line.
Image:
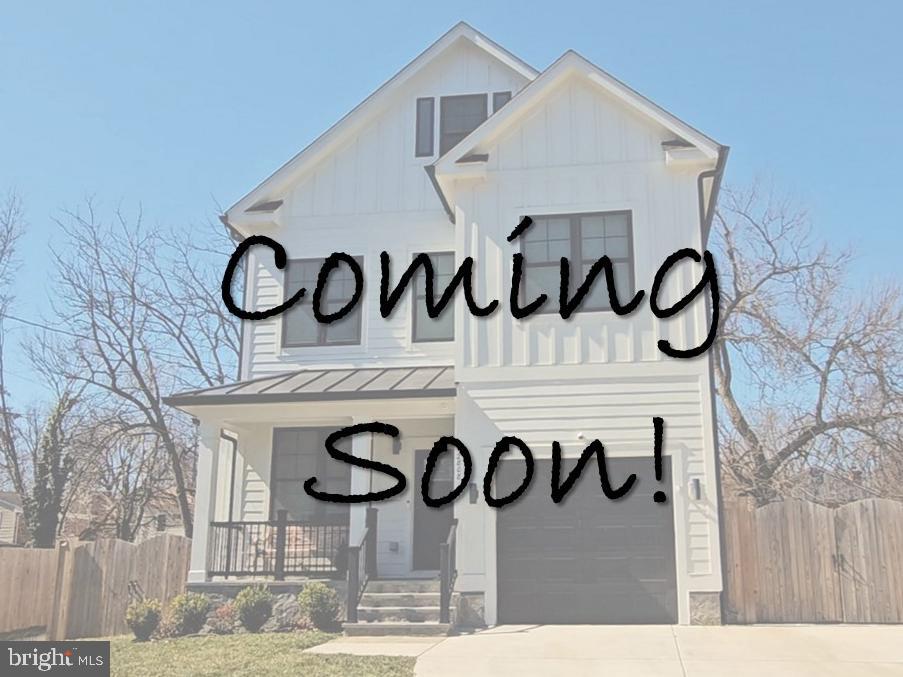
x=141 y=323
x=807 y=370
x=12 y=225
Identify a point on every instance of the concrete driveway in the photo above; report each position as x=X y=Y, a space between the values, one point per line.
x=660 y=651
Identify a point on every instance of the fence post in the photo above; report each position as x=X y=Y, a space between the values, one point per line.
x=354 y=563
x=370 y=554
x=281 y=517
x=56 y=630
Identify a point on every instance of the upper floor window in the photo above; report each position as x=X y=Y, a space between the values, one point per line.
x=299 y=326
x=458 y=117
x=499 y=99
x=583 y=239
x=426 y=328
x=425 y=115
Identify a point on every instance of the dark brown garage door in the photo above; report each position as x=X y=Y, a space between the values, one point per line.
x=587 y=559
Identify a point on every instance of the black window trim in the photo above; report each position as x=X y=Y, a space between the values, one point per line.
x=321 y=328
x=419 y=294
x=577 y=261
x=321 y=506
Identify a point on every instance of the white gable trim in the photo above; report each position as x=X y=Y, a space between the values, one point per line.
x=276 y=183
x=568 y=64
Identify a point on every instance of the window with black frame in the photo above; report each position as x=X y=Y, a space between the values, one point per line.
x=425 y=328
x=458 y=117
x=298 y=454
x=583 y=239
x=299 y=326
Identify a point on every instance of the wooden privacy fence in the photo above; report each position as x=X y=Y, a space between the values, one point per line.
x=82 y=589
x=27 y=580
x=800 y=562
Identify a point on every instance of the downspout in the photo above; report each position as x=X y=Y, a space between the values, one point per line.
x=231 y=513
x=706 y=216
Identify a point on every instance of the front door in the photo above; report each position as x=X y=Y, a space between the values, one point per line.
x=431 y=525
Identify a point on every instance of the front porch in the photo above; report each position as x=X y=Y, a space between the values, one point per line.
x=254 y=521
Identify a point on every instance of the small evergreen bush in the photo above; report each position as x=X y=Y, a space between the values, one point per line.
x=188 y=612
x=143 y=617
x=254 y=605
x=320 y=604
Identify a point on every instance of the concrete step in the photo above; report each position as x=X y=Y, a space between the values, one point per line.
x=409 y=599
x=402 y=629
x=404 y=586
x=398 y=614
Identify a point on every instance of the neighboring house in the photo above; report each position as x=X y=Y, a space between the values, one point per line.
x=12 y=522
x=446 y=158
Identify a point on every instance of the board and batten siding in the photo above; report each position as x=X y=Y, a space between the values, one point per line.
x=370 y=194
x=580 y=151
x=595 y=375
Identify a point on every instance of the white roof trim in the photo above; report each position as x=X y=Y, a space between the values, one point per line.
x=277 y=182
x=569 y=63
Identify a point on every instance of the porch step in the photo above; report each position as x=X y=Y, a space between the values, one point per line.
x=392 y=628
x=407 y=599
x=398 y=614
x=406 y=586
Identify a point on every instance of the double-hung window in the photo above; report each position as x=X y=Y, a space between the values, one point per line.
x=583 y=239
x=299 y=326
x=426 y=328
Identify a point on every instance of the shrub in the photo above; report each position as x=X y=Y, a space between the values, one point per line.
x=143 y=617
x=320 y=604
x=254 y=605
x=223 y=621
x=188 y=612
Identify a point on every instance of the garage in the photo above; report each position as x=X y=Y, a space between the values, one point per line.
x=586 y=559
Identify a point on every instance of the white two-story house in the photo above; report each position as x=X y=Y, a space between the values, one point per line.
x=446 y=158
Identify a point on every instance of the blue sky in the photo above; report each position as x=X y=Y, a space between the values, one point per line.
x=180 y=107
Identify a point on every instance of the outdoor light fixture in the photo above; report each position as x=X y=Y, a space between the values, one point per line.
x=695 y=488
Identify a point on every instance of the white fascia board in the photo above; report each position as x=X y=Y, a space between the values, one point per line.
x=273 y=187
x=568 y=64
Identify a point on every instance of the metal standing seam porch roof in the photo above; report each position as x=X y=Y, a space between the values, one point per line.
x=308 y=385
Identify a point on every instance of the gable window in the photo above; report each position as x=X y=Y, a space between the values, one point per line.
x=299 y=326
x=458 y=117
x=298 y=454
x=499 y=99
x=583 y=239
x=425 y=328
x=424 y=140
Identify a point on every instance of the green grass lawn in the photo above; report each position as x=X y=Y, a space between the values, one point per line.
x=245 y=655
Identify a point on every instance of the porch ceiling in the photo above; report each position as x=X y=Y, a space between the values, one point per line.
x=317 y=385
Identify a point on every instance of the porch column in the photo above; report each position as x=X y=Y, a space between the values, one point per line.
x=362 y=447
x=204 y=498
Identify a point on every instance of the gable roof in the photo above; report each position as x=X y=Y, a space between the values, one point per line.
x=568 y=64
x=268 y=191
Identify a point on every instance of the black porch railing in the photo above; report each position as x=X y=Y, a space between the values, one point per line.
x=361 y=565
x=448 y=572
x=278 y=548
